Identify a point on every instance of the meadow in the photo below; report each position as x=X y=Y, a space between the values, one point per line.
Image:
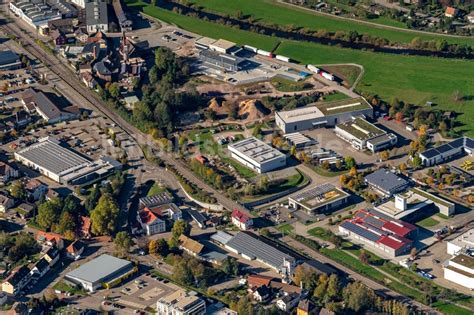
x=270 y=11
x=413 y=79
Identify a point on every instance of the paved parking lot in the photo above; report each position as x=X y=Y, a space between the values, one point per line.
x=327 y=139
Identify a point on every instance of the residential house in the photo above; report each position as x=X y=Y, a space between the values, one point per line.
x=16 y=281
x=25 y=210
x=6 y=203
x=85 y=226
x=81 y=35
x=89 y=80
x=50 y=239
x=51 y=194
x=259 y=280
x=7 y=172
x=35 y=189
x=40 y=268
x=58 y=38
x=451 y=12
x=190 y=246
x=307 y=307
x=260 y=294
x=75 y=250
x=44 y=106
x=241 y=220
x=52 y=255
x=150 y=223
x=288 y=302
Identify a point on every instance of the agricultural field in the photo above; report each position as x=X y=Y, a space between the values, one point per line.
x=413 y=79
x=271 y=11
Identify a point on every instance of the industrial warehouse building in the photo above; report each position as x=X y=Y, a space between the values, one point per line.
x=319 y=199
x=37 y=13
x=460 y=270
x=362 y=135
x=378 y=232
x=222 y=61
x=386 y=182
x=9 y=60
x=63 y=165
x=445 y=152
x=463 y=242
x=103 y=271
x=321 y=115
x=257 y=155
x=250 y=247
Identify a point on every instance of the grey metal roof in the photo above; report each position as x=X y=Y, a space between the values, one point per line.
x=7 y=57
x=386 y=180
x=221 y=237
x=465 y=143
x=49 y=155
x=354 y=228
x=96 y=13
x=99 y=268
x=197 y=216
x=248 y=245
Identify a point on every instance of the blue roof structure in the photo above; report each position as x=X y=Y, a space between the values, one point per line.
x=360 y=231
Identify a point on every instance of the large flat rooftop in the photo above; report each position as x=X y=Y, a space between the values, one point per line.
x=99 y=268
x=361 y=129
x=466 y=239
x=50 y=155
x=342 y=106
x=319 y=196
x=321 y=109
x=256 y=150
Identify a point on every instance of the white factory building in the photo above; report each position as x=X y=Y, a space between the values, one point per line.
x=257 y=155
x=63 y=165
x=460 y=270
x=462 y=242
x=363 y=135
x=447 y=151
x=320 y=115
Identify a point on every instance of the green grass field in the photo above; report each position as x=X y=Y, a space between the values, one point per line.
x=285 y=85
x=269 y=11
x=427 y=223
x=413 y=79
x=155 y=189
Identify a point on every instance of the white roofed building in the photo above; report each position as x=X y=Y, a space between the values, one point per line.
x=257 y=155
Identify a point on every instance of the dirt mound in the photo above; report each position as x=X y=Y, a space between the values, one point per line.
x=214 y=104
x=252 y=110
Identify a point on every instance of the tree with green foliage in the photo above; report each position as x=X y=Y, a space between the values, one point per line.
x=48 y=213
x=162 y=247
x=182 y=273
x=114 y=90
x=230 y=266
x=356 y=297
x=180 y=227
x=104 y=216
x=17 y=190
x=66 y=223
x=122 y=242
x=350 y=162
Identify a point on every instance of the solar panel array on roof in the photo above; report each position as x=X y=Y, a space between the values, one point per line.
x=460 y=143
x=360 y=231
x=250 y=246
x=48 y=154
x=315 y=192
